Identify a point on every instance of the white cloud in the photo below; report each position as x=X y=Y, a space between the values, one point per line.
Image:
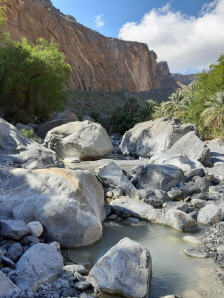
x=99 y=22
x=184 y=41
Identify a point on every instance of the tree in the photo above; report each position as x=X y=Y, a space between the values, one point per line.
x=32 y=79
x=172 y=107
x=213 y=115
x=2 y=12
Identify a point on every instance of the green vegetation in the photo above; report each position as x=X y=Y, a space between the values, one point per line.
x=33 y=77
x=30 y=134
x=126 y=116
x=2 y=12
x=201 y=103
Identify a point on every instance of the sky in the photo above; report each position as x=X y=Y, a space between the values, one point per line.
x=188 y=34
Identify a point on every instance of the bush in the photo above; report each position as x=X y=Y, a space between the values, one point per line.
x=30 y=134
x=32 y=79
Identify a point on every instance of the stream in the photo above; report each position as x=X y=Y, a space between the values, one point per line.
x=172 y=271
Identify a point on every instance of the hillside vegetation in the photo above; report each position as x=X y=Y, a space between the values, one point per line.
x=201 y=103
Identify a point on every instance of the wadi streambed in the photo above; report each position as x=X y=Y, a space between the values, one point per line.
x=173 y=271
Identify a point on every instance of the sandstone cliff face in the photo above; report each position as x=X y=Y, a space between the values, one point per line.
x=98 y=63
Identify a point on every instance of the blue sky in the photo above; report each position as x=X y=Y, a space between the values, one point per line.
x=118 y=12
x=183 y=32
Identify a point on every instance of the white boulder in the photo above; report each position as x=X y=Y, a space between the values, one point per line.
x=125 y=270
x=69 y=204
x=84 y=140
x=148 y=138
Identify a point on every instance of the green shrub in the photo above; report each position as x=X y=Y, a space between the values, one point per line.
x=30 y=134
x=32 y=79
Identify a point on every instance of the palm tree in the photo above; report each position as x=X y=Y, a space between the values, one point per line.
x=213 y=115
x=171 y=107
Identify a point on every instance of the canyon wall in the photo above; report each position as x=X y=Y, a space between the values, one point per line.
x=98 y=63
x=184 y=79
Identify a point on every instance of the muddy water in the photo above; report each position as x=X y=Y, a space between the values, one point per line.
x=173 y=271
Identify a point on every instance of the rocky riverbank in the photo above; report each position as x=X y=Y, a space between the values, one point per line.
x=57 y=195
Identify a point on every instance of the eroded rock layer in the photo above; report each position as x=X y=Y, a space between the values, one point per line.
x=98 y=62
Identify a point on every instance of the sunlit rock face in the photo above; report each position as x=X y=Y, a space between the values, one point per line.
x=98 y=62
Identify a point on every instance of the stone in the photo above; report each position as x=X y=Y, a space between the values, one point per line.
x=29 y=240
x=195 y=253
x=154 y=197
x=176 y=194
x=16 y=150
x=176 y=219
x=198 y=204
x=193 y=147
x=107 y=209
x=192 y=240
x=71 y=269
x=196 y=172
x=133 y=220
x=217 y=190
x=56 y=245
x=202 y=182
x=7 y=288
x=125 y=270
x=84 y=140
x=69 y=204
x=162 y=177
x=183 y=162
x=113 y=217
x=82 y=285
x=176 y=205
x=111 y=175
x=8 y=262
x=217 y=170
x=14 y=229
x=36 y=228
x=153 y=137
x=39 y=264
x=109 y=194
x=15 y=252
x=210 y=214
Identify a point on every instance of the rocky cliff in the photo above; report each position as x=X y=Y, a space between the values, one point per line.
x=184 y=79
x=98 y=62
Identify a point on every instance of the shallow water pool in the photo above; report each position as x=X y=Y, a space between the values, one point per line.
x=172 y=271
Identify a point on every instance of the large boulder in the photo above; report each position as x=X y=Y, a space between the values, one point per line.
x=17 y=150
x=193 y=147
x=152 y=176
x=211 y=214
x=125 y=270
x=69 y=204
x=59 y=119
x=155 y=136
x=39 y=264
x=176 y=219
x=14 y=229
x=85 y=140
x=112 y=176
x=7 y=288
x=175 y=159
